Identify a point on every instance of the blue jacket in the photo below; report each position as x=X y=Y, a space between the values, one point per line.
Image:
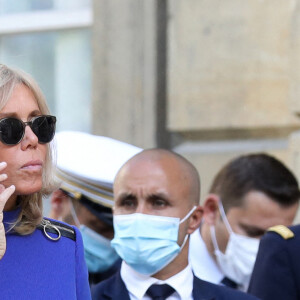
x=115 y=289
x=276 y=273
x=35 y=267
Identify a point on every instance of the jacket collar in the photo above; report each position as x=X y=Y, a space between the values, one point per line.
x=201 y=291
x=116 y=289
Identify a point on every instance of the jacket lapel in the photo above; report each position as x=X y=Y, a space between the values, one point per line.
x=116 y=289
x=201 y=290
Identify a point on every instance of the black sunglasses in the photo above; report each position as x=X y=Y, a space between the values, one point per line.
x=12 y=130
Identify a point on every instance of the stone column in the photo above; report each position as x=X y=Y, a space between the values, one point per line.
x=124 y=70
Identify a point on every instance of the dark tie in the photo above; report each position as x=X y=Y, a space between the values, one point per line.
x=228 y=282
x=160 y=291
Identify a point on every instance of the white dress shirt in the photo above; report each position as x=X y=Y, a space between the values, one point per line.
x=203 y=265
x=137 y=284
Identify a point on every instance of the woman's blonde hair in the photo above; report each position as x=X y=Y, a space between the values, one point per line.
x=31 y=205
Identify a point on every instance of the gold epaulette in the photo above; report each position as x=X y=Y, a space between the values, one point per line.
x=283 y=231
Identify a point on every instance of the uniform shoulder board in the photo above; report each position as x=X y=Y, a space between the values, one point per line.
x=57 y=228
x=283 y=231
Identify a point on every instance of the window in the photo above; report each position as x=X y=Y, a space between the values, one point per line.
x=50 y=39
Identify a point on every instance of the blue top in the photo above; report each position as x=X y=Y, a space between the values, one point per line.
x=35 y=267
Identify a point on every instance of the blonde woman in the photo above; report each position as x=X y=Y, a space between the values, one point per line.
x=41 y=258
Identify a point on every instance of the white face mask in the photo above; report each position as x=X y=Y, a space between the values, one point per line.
x=238 y=261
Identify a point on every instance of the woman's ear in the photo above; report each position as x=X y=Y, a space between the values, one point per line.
x=211 y=209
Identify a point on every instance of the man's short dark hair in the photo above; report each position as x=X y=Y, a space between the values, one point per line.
x=255 y=172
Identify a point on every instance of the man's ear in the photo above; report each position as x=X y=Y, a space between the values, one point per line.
x=57 y=196
x=59 y=205
x=195 y=219
x=211 y=209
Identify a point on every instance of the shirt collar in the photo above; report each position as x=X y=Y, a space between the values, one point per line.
x=203 y=265
x=137 y=284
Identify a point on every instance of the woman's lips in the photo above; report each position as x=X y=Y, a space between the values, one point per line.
x=32 y=165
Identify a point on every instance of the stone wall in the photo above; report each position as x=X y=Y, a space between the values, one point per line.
x=210 y=79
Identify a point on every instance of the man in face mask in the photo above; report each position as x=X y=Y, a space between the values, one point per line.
x=87 y=165
x=156 y=209
x=249 y=194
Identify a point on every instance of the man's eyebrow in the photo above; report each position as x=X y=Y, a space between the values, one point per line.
x=124 y=196
x=159 y=195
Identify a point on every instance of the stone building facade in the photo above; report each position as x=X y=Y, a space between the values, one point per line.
x=210 y=79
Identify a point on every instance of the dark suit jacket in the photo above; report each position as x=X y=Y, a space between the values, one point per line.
x=276 y=274
x=95 y=278
x=115 y=289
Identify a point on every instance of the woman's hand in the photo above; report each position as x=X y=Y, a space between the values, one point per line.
x=5 y=193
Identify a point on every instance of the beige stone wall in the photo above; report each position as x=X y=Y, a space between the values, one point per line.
x=232 y=74
x=233 y=84
x=209 y=157
x=229 y=64
x=294 y=59
x=124 y=70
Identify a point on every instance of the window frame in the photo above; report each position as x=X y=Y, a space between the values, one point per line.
x=41 y=21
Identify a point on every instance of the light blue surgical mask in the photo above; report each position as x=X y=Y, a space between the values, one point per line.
x=98 y=253
x=147 y=243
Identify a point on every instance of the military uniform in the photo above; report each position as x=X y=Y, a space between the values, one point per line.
x=86 y=167
x=276 y=274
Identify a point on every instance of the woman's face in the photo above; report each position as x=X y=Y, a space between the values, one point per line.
x=25 y=161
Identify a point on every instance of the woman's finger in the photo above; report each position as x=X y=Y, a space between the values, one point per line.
x=4 y=196
x=3 y=177
x=2 y=240
x=3 y=165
